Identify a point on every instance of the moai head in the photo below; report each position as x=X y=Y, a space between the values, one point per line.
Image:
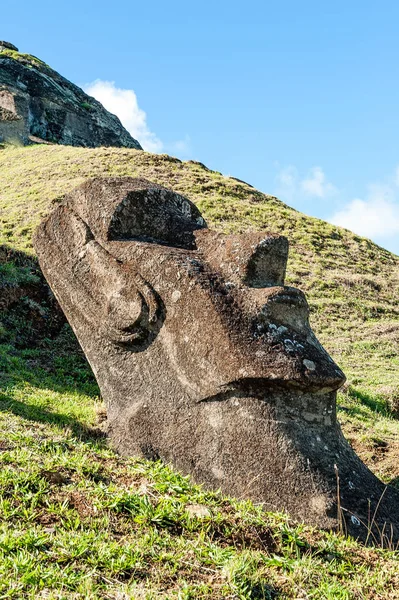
x=203 y=356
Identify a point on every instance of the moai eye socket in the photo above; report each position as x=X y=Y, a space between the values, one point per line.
x=138 y=210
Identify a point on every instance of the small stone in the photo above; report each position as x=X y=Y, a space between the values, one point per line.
x=49 y=530
x=198 y=510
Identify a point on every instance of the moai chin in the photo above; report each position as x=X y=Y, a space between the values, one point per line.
x=204 y=357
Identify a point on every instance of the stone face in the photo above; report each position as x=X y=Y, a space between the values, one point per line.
x=204 y=357
x=48 y=107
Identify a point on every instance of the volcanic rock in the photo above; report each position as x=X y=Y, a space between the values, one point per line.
x=37 y=103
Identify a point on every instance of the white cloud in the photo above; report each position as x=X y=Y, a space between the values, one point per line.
x=123 y=103
x=181 y=147
x=291 y=184
x=287 y=182
x=376 y=216
x=288 y=176
x=316 y=184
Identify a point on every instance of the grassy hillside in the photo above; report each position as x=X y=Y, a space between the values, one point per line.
x=78 y=522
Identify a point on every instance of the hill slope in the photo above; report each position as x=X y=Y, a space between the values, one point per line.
x=54 y=457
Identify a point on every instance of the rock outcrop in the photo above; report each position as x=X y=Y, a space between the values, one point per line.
x=7 y=46
x=37 y=103
x=204 y=357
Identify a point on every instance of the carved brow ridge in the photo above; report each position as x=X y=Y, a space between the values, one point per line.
x=123 y=209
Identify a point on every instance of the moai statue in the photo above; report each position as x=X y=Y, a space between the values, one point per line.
x=204 y=358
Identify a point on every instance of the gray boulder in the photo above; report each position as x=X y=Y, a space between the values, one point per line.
x=204 y=357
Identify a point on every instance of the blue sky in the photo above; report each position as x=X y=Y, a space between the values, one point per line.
x=300 y=99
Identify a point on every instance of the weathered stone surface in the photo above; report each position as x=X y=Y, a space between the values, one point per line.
x=204 y=358
x=37 y=102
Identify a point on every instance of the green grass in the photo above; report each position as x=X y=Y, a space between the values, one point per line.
x=76 y=520
x=86 y=106
x=27 y=59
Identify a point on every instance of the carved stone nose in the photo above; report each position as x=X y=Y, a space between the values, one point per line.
x=253 y=259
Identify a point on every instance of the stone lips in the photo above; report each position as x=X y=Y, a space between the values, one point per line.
x=203 y=356
x=48 y=107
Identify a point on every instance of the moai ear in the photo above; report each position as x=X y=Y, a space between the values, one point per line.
x=131 y=311
x=73 y=244
x=124 y=208
x=114 y=299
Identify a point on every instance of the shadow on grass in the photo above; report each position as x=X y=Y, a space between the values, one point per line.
x=39 y=414
x=32 y=412
x=49 y=371
x=364 y=400
x=375 y=403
